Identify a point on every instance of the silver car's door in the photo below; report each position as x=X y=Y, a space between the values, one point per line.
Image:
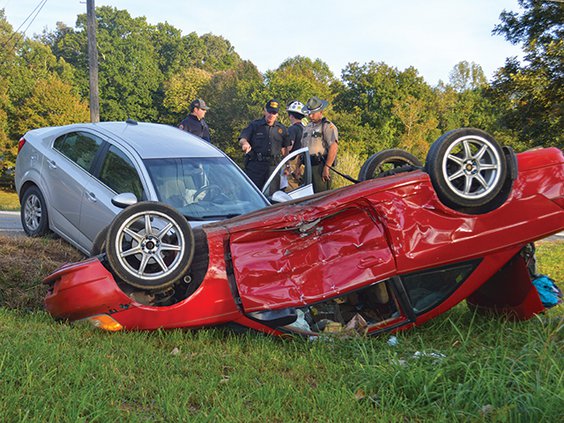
x=66 y=176
x=292 y=175
x=116 y=174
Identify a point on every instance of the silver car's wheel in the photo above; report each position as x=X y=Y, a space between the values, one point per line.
x=468 y=169
x=150 y=245
x=34 y=213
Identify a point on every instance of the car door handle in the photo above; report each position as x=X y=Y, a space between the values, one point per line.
x=52 y=164
x=91 y=196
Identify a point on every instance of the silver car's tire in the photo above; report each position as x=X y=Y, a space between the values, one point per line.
x=35 y=221
x=99 y=244
x=150 y=245
x=468 y=169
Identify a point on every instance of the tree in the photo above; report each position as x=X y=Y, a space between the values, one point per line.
x=420 y=126
x=181 y=89
x=462 y=102
x=467 y=76
x=51 y=104
x=300 y=78
x=531 y=92
x=35 y=90
x=129 y=73
x=236 y=97
x=373 y=92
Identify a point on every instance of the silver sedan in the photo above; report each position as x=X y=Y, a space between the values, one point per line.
x=74 y=179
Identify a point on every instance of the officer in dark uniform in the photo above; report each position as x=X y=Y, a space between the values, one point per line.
x=195 y=122
x=264 y=142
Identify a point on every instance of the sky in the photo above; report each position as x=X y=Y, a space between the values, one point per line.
x=430 y=35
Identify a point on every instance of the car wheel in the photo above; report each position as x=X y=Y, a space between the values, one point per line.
x=150 y=245
x=468 y=170
x=99 y=244
x=387 y=162
x=33 y=214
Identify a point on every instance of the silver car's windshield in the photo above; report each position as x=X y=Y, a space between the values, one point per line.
x=203 y=188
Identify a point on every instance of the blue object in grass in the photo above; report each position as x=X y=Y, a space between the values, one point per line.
x=549 y=293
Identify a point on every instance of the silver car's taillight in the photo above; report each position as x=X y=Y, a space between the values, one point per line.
x=21 y=143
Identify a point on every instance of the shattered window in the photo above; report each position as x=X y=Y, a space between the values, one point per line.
x=430 y=288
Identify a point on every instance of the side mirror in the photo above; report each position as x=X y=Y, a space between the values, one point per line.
x=124 y=200
x=280 y=197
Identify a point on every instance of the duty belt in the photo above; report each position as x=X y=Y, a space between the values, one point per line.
x=260 y=157
x=317 y=159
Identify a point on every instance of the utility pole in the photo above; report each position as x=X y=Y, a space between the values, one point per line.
x=93 y=61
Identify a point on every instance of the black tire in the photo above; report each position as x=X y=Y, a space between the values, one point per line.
x=34 y=217
x=99 y=244
x=150 y=245
x=388 y=162
x=468 y=169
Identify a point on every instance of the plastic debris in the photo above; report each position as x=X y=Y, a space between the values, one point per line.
x=549 y=293
x=300 y=322
x=421 y=354
x=392 y=341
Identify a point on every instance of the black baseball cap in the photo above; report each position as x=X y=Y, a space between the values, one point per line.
x=272 y=106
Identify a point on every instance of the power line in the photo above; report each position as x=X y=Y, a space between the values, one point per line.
x=34 y=13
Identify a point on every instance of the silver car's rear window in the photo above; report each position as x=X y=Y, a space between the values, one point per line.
x=204 y=188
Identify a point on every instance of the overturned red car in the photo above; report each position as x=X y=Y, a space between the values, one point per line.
x=385 y=254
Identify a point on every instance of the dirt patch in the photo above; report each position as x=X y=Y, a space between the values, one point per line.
x=24 y=262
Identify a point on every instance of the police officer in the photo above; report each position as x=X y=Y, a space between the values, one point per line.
x=264 y=142
x=195 y=122
x=321 y=136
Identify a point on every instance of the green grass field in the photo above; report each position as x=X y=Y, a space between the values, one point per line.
x=459 y=367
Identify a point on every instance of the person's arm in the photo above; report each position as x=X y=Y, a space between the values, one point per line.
x=245 y=145
x=331 y=155
x=246 y=134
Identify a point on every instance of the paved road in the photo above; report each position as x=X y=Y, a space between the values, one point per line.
x=10 y=223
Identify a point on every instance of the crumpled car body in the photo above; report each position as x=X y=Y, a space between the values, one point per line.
x=381 y=255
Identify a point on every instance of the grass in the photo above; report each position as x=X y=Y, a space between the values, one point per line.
x=348 y=164
x=469 y=367
x=9 y=200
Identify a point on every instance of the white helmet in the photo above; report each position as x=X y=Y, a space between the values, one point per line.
x=297 y=107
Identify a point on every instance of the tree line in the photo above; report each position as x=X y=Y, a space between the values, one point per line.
x=152 y=72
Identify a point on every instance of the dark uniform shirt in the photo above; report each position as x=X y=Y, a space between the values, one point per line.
x=197 y=127
x=266 y=141
x=295 y=132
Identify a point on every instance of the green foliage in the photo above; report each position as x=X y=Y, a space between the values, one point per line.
x=139 y=63
x=300 y=78
x=530 y=94
x=36 y=89
x=392 y=105
x=152 y=72
x=467 y=76
x=235 y=97
x=182 y=88
x=51 y=103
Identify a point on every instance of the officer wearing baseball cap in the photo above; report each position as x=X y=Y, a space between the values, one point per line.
x=264 y=143
x=195 y=122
